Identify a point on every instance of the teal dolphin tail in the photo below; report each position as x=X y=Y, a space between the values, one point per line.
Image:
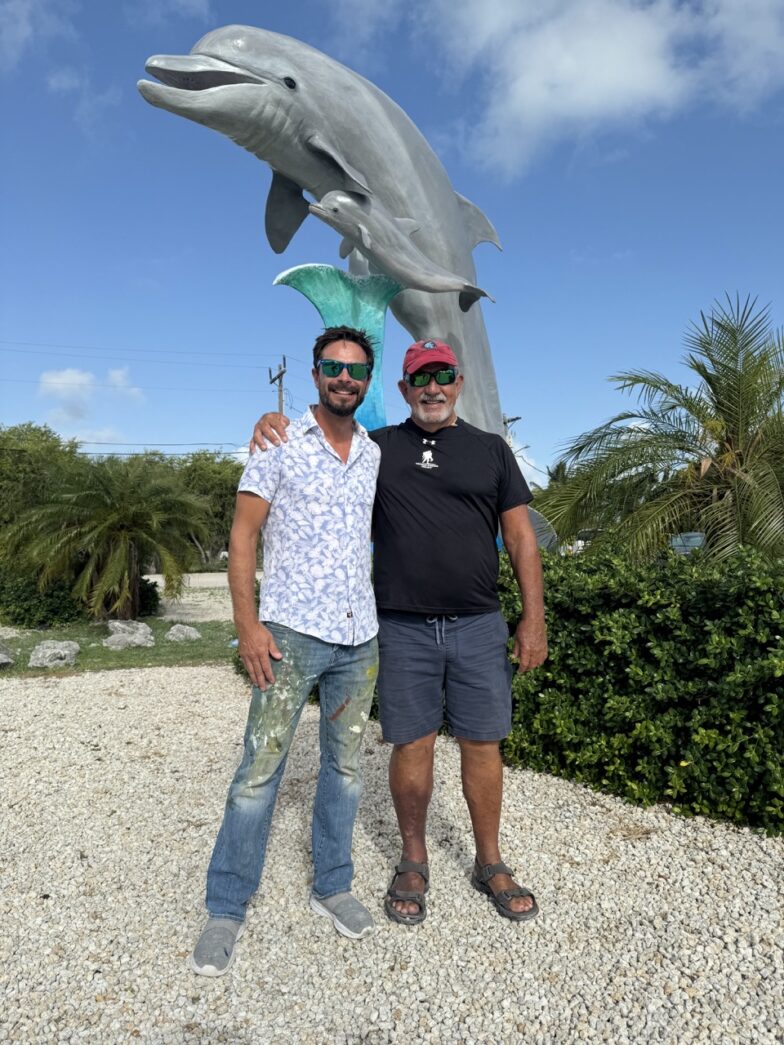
x=343 y=299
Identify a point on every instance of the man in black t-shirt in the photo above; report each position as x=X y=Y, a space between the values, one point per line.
x=444 y=489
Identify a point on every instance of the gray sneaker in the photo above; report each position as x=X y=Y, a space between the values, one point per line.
x=214 y=953
x=348 y=915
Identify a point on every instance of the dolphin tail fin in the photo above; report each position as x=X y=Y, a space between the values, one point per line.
x=479 y=226
x=471 y=294
x=286 y=210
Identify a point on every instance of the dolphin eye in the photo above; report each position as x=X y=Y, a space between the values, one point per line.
x=291 y=84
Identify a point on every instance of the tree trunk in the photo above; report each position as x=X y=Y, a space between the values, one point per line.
x=133 y=578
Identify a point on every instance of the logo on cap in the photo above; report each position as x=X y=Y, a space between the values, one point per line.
x=429 y=344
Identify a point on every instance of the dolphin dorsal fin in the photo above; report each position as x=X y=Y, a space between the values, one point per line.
x=407 y=225
x=286 y=210
x=354 y=180
x=479 y=226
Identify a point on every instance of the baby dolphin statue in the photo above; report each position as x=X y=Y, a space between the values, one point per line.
x=386 y=243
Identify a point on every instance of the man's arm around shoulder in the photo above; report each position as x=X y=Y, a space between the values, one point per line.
x=256 y=644
x=530 y=642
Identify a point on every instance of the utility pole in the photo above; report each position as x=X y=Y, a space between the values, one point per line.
x=278 y=379
x=508 y=422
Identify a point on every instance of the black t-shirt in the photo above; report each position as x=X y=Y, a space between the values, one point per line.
x=435 y=519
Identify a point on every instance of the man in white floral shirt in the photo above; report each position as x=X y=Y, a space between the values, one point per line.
x=316 y=625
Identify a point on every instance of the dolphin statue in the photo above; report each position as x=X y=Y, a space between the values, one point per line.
x=323 y=128
x=386 y=243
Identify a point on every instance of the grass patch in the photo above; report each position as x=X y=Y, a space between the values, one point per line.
x=212 y=648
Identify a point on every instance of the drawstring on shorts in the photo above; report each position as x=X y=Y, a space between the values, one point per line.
x=440 y=632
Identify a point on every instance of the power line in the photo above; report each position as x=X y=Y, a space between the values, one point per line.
x=140 y=388
x=152 y=351
x=117 y=359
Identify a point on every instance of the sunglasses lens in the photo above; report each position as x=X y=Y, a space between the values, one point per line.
x=424 y=377
x=358 y=371
x=333 y=368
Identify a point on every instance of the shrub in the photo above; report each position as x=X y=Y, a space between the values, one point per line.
x=663 y=683
x=24 y=605
x=149 y=598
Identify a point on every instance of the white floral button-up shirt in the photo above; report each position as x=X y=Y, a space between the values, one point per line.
x=316 y=570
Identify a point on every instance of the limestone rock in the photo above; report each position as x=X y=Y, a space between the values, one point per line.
x=183 y=633
x=6 y=657
x=52 y=654
x=126 y=633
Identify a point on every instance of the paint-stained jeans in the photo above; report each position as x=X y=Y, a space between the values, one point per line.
x=346 y=677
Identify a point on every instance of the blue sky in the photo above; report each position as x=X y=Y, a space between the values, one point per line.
x=629 y=154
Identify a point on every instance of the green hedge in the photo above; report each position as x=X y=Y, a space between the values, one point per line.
x=25 y=605
x=664 y=683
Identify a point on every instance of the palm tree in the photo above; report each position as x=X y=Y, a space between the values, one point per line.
x=707 y=456
x=104 y=523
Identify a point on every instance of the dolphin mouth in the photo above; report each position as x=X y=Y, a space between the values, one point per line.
x=196 y=72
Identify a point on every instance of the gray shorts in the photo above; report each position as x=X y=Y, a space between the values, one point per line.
x=436 y=669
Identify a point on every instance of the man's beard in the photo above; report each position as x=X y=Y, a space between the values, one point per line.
x=340 y=409
x=434 y=416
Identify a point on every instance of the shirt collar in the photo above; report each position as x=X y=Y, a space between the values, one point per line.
x=309 y=422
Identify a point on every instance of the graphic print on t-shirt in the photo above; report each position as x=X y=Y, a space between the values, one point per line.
x=427 y=456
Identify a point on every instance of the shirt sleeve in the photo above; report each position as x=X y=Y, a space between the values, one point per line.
x=513 y=490
x=262 y=474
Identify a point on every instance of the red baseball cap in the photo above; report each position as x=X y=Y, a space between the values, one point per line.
x=430 y=351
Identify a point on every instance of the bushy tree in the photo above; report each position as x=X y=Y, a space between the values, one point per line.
x=104 y=522
x=214 y=477
x=32 y=460
x=706 y=456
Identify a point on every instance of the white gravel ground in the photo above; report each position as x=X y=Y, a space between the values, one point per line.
x=652 y=928
x=205 y=597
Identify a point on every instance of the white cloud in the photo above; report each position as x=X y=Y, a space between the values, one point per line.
x=89 y=104
x=154 y=12
x=359 y=25
x=566 y=70
x=27 y=22
x=120 y=379
x=73 y=389
x=65 y=81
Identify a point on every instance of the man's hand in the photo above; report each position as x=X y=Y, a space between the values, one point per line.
x=256 y=648
x=530 y=644
x=269 y=428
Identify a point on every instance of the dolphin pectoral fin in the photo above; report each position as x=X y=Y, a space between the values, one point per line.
x=354 y=180
x=286 y=210
x=346 y=246
x=470 y=295
x=365 y=237
x=407 y=225
x=480 y=229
